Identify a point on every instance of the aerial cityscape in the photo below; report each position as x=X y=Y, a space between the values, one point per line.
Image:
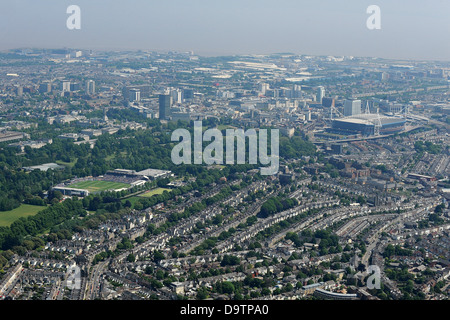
x=113 y=188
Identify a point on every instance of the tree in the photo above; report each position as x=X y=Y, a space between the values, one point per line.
x=148 y=270
x=159 y=274
x=202 y=293
x=28 y=244
x=158 y=256
x=228 y=260
x=217 y=220
x=265 y=292
x=227 y=287
x=287 y=288
x=131 y=258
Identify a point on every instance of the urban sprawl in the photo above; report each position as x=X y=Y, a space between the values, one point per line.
x=93 y=207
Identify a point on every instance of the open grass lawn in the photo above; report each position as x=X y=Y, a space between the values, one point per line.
x=98 y=186
x=131 y=199
x=153 y=192
x=68 y=164
x=25 y=210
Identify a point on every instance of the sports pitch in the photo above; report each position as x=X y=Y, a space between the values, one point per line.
x=98 y=186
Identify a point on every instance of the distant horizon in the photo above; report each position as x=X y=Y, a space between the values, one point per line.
x=218 y=55
x=411 y=30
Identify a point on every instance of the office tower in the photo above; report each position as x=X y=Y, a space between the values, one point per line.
x=263 y=88
x=188 y=94
x=45 y=87
x=19 y=90
x=90 y=87
x=145 y=91
x=320 y=94
x=384 y=76
x=135 y=95
x=177 y=96
x=328 y=102
x=75 y=86
x=296 y=91
x=164 y=106
x=66 y=86
x=276 y=93
x=352 y=107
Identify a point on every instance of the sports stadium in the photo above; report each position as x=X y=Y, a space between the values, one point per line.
x=114 y=180
x=368 y=125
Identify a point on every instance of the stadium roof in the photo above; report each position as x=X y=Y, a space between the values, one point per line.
x=371 y=119
x=152 y=172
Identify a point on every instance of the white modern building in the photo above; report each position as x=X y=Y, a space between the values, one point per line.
x=352 y=107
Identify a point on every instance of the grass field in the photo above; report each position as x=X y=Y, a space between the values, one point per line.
x=131 y=199
x=68 y=164
x=98 y=186
x=25 y=210
x=153 y=192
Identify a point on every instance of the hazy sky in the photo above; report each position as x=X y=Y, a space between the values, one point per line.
x=410 y=29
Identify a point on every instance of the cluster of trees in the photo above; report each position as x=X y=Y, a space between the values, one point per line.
x=275 y=205
x=391 y=250
x=227 y=234
x=17 y=186
x=230 y=260
x=4 y=257
x=208 y=244
x=296 y=147
x=346 y=198
x=399 y=275
x=439 y=208
x=329 y=242
x=13 y=235
x=294 y=237
x=63 y=234
x=102 y=256
x=427 y=146
x=125 y=244
x=250 y=287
